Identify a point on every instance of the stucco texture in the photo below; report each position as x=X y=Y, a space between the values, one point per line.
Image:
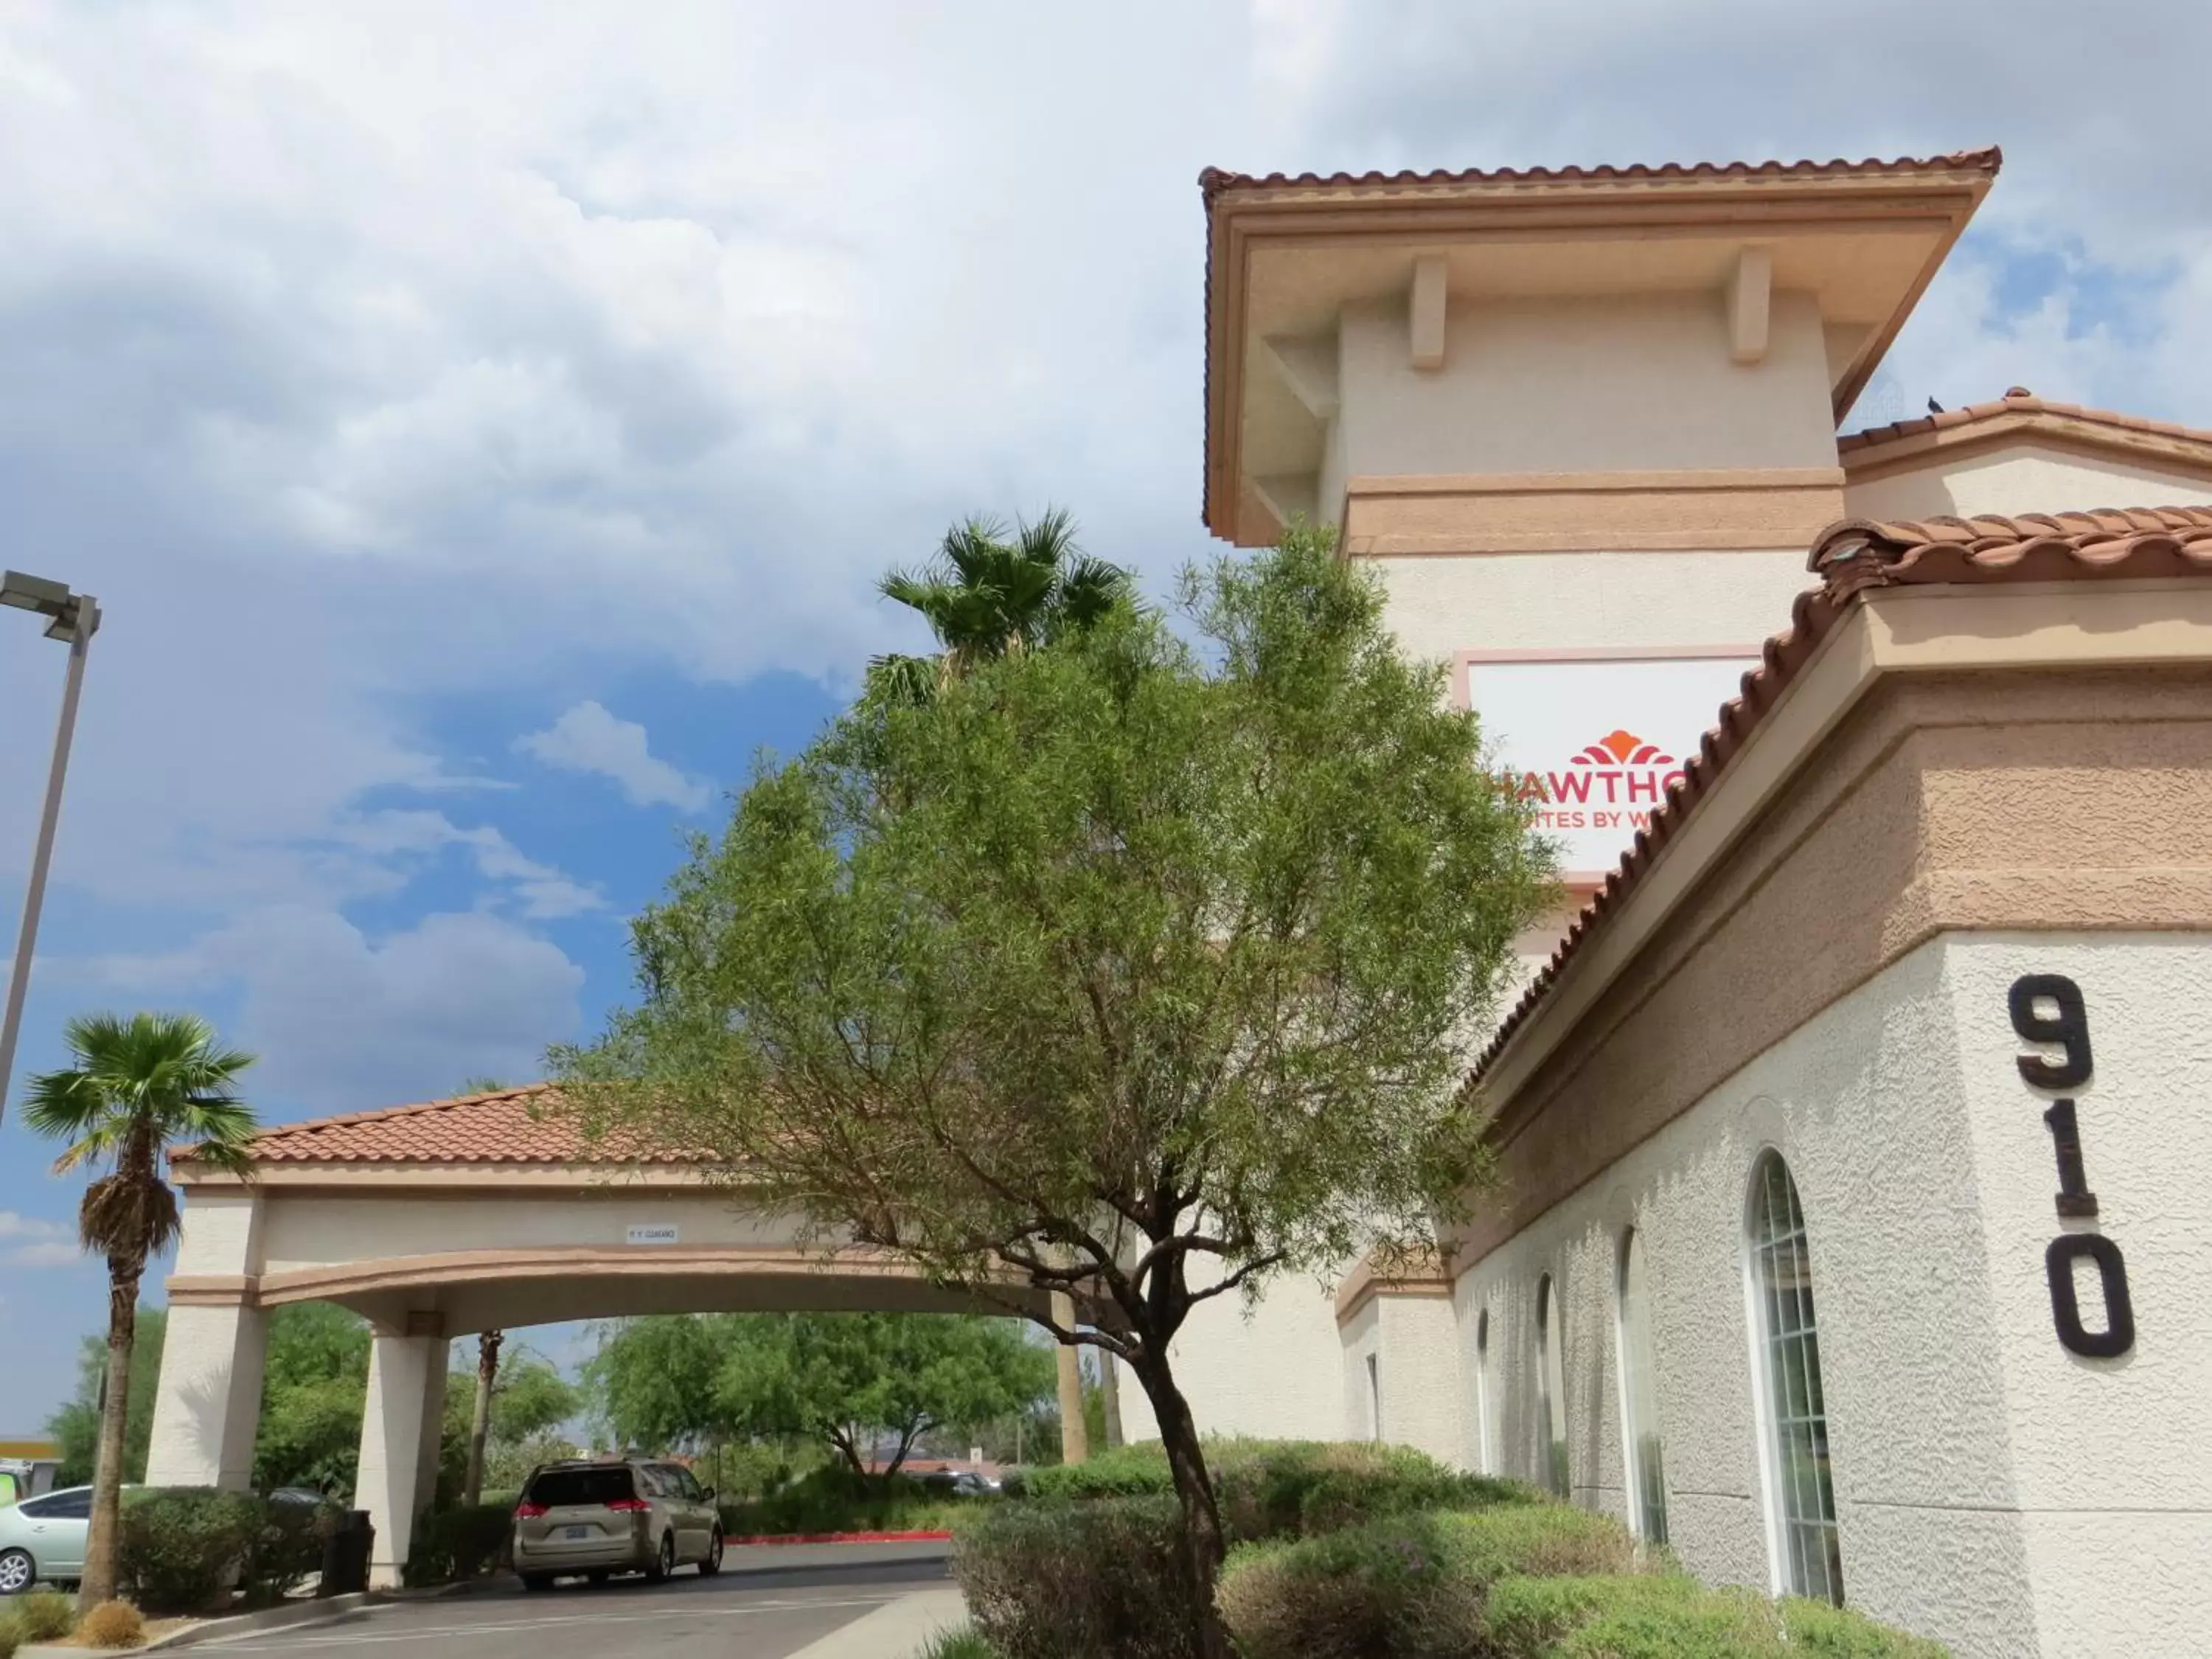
x=2026 y=477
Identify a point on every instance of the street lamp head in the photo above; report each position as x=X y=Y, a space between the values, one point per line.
x=50 y=599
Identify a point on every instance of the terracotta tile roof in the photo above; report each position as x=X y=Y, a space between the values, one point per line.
x=510 y=1125
x=2015 y=402
x=1851 y=557
x=1214 y=181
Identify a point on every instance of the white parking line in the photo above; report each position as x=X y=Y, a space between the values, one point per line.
x=421 y=1631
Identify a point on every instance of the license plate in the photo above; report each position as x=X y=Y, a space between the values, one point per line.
x=577 y=1533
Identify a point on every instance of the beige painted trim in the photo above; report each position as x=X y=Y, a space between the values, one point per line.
x=1718 y=509
x=1426 y=1275
x=1541 y=653
x=1946 y=761
x=348 y=1279
x=1896 y=630
x=2174 y=453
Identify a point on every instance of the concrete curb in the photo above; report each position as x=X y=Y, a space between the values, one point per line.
x=299 y=1615
x=938 y=1536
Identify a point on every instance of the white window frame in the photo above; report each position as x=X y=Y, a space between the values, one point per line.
x=1779 y=1501
x=1631 y=1439
x=1551 y=1403
x=1484 y=1461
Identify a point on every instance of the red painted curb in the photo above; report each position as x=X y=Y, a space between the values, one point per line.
x=847 y=1538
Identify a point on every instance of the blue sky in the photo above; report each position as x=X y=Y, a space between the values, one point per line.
x=484 y=424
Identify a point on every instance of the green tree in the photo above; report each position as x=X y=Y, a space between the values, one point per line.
x=655 y=1383
x=136 y=1091
x=1138 y=967
x=314 y=1380
x=984 y=596
x=857 y=1380
x=75 y=1426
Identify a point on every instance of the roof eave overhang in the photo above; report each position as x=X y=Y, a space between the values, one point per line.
x=1244 y=215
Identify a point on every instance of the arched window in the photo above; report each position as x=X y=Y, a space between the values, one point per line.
x=1551 y=1392
x=1374 y=1398
x=1639 y=1397
x=1482 y=1457
x=1802 y=1502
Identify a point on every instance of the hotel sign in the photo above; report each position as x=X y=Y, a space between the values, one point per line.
x=1592 y=746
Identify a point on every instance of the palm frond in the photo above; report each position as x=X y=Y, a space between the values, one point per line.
x=904 y=681
x=127 y=1216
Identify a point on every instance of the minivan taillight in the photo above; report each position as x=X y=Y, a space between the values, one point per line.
x=529 y=1511
x=630 y=1505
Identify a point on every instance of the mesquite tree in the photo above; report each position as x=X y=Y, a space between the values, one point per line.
x=1140 y=966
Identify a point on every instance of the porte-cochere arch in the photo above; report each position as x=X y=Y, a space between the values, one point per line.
x=440 y=1220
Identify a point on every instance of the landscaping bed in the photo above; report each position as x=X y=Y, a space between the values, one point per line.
x=1353 y=1552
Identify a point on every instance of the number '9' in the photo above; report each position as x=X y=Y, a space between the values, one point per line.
x=2068 y=1029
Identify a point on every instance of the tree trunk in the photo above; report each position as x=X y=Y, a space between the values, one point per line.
x=103 y=1537
x=1203 y=1547
x=480 y=1424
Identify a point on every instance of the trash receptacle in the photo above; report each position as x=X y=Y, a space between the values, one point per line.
x=345 y=1554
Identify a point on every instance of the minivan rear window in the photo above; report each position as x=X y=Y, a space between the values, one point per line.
x=565 y=1488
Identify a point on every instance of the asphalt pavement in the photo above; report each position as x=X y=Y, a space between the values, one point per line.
x=767 y=1603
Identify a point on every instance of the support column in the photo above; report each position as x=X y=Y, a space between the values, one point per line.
x=399 y=1431
x=208 y=1403
x=1074 y=1432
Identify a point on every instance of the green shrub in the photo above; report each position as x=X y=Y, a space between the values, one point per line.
x=1815 y=1627
x=1636 y=1616
x=184 y=1547
x=832 y=1498
x=460 y=1543
x=1410 y=1586
x=1057 y=1579
x=45 y=1616
x=1283 y=1488
x=288 y=1549
x=113 y=1624
x=959 y=1644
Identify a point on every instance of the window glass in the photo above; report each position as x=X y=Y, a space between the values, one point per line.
x=1374 y=1398
x=570 y=1488
x=1551 y=1392
x=1639 y=1392
x=62 y=1506
x=1789 y=1357
x=1482 y=1456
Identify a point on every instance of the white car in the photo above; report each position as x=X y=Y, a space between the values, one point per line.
x=43 y=1538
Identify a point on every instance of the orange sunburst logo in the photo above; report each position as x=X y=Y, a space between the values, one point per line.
x=1619 y=748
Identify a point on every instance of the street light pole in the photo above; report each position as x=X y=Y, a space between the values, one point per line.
x=74 y=617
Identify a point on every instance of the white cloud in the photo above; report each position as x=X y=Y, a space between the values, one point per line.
x=588 y=739
x=342 y=1021
x=29 y=1242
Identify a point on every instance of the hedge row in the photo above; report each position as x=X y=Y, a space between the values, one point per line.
x=1345 y=1552
x=1282 y=1488
x=185 y=1548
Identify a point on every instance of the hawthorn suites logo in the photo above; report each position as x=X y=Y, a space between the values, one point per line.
x=1616 y=782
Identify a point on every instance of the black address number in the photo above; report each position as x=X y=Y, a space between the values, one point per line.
x=2066 y=1028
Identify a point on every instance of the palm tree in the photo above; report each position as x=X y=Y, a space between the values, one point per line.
x=141 y=1089
x=984 y=596
x=488 y=1346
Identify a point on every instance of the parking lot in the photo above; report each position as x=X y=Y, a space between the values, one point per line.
x=766 y=1605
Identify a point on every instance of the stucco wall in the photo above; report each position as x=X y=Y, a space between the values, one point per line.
x=1580 y=385
x=1993 y=1491
x=1866 y=1103
x=2026 y=477
x=304 y=1229
x=2113 y=1458
x=1274 y=1370
x=1441 y=605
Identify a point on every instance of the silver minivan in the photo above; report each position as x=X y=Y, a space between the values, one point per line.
x=598 y=1518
